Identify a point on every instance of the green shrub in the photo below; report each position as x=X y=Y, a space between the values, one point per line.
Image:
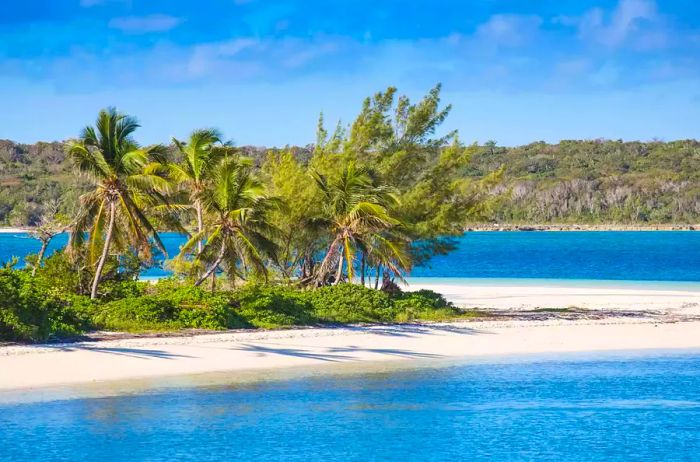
x=351 y=303
x=29 y=313
x=423 y=305
x=62 y=278
x=44 y=308
x=272 y=306
x=169 y=307
x=147 y=312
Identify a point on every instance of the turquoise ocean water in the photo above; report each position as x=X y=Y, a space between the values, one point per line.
x=666 y=257
x=640 y=408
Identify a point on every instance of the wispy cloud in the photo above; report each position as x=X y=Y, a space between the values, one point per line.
x=145 y=24
x=635 y=23
x=247 y=56
x=509 y=29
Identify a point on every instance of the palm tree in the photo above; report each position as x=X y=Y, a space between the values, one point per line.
x=127 y=179
x=237 y=229
x=357 y=213
x=200 y=156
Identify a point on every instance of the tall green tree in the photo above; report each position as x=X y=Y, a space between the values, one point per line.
x=403 y=142
x=288 y=178
x=238 y=234
x=126 y=179
x=201 y=154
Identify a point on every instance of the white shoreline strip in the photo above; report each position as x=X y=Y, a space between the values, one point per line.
x=525 y=297
x=28 y=367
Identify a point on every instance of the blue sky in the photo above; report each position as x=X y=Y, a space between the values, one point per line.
x=515 y=71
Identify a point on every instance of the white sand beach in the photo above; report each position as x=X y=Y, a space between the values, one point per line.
x=32 y=367
x=12 y=230
x=563 y=294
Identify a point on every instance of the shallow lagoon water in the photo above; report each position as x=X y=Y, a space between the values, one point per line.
x=629 y=407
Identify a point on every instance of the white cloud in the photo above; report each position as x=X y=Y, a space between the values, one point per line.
x=633 y=22
x=207 y=58
x=145 y=24
x=246 y=57
x=509 y=29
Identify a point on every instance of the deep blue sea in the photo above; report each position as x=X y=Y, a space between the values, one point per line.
x=618 y=255
x=609 y=409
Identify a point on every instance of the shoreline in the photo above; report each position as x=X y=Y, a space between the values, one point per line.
x=36 y=367
x=681 y=298
x=480 y=227
x=13 y=230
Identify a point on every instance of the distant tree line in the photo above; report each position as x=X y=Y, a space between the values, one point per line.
x=598 y=181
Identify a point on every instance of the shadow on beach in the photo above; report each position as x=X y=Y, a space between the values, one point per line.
x=411 y=330
x=330 y=354
x=121 y=351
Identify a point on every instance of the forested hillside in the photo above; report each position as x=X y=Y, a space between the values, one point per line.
x=597 y=181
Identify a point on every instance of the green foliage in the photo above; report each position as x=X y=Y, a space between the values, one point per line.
x=348 y=303
x=362 y=198
x=597 y=181
x=137 y=313
x=62 y=277
x=271 y=307
x=423 y=305
x=238 y=234
x=28 y=313
x=287 y=177
x=126 y=180
x=170 y=307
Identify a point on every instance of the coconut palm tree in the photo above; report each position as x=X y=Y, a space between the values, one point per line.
x=357 y=212
x=200 y=156
x=127 y=179
x=237 y=230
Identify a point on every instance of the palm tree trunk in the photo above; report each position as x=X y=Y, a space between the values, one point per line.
x=44 y=245
x=105 y=250
x=386 y=280
x=376 y=277
x=200 y=224
x=325 y=263
x=362 y=269
x=213 y=268
x=339 y=273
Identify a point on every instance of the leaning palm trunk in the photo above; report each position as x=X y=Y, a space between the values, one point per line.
x=339 y=273
x=105 y=250
x=325 y=267
x=211 y=271
x=44 y=245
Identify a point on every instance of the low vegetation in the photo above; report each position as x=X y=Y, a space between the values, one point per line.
x=45 y=307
